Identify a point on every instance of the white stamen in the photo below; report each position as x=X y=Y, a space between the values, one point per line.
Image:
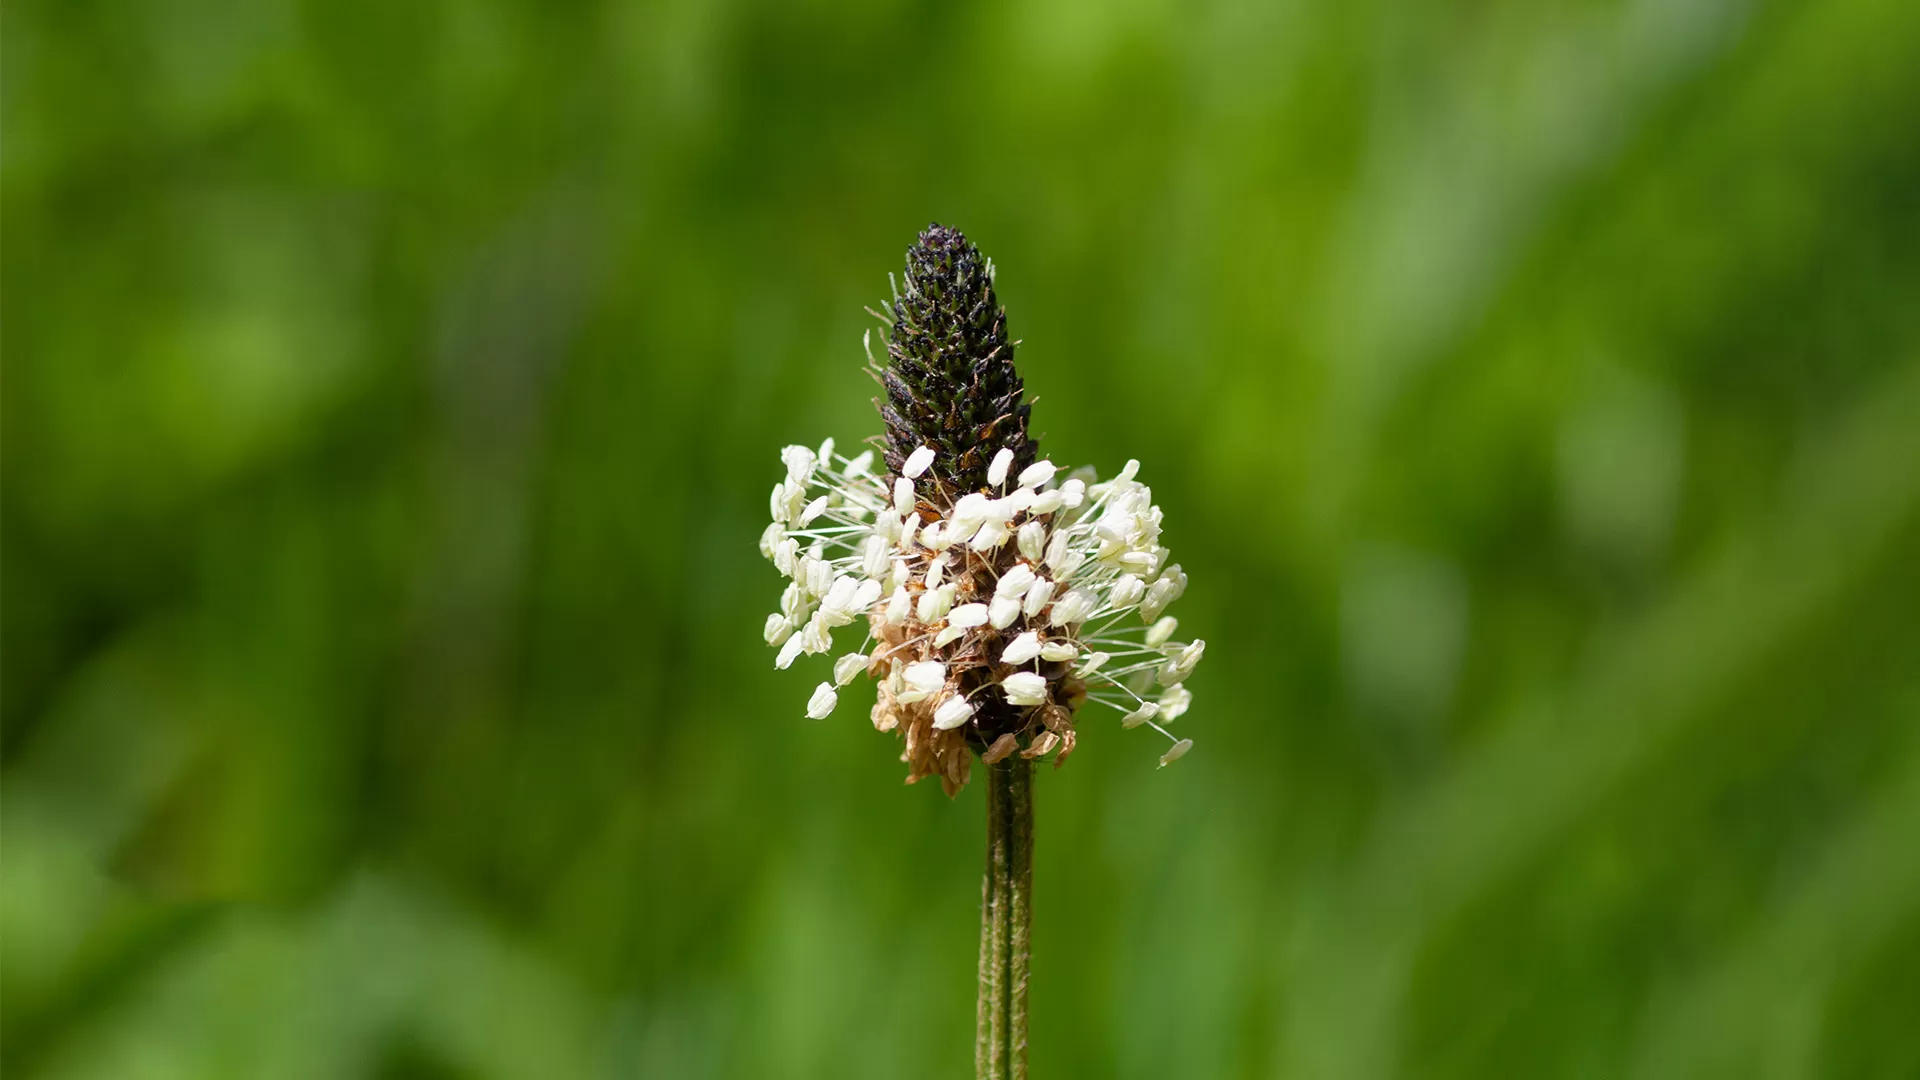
x=997 y=472
x=1057 y=651
x=1057 y=550
x=794 y=604
x=970 y=510
x=1020 y=650
x=817 y=636
x=800 y=463
x=839 y=604
x=1037 y=474
x=1014 y=583
x=923 y=680
x=935 y=603
x=1003 y=612
x=822 y=703
x=1073 y=607
x=952 y=713
x=1126 y=592
x=784 y=554
x=1032 y=539
x=818 y=575
x=991 y=535
x=789 y=651
x=1159 y=595
x=874 y=557
x=1038 y=594
x=847 y=667
x=1183 y=663
x=968 y=616
x=1174 y=701
x=1024 y=688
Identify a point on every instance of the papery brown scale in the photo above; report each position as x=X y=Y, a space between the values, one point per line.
x=956 y=763
x=1001 y=748
x=1066 y=748
x=910 y=731
x=1042 y=746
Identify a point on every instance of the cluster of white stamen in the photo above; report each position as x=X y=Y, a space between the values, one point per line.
x=1087 y=581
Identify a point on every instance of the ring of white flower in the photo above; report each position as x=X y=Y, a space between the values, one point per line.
x=991 y=622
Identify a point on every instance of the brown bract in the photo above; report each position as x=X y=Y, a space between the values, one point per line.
x=997 y=727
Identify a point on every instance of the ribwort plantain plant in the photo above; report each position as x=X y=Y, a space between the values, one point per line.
x=1000 y=597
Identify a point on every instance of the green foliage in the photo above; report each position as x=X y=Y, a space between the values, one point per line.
x=391 y=394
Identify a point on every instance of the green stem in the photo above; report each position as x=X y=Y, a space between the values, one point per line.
x=989 y=1060
x=1020 y=933
x=1006 y=922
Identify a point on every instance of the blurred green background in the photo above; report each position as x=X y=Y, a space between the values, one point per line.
x=392 y=392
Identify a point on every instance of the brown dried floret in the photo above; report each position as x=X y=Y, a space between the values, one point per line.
x=1002 y=747
x=995 y=728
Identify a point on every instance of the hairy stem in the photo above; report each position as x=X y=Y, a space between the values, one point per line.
x=1020 y=914
x=983 y=1014
x=1006 y=922
x=991 y=1043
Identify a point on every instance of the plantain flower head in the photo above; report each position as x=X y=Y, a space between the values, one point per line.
x=994 y=594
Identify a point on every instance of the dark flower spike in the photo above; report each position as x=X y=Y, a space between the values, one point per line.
x=949 y=377
x=998 y=595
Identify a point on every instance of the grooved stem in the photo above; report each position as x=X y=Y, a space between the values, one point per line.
x=983 y=1013
x=1020 y=933
x=1006 y=923
x=990 y=1061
